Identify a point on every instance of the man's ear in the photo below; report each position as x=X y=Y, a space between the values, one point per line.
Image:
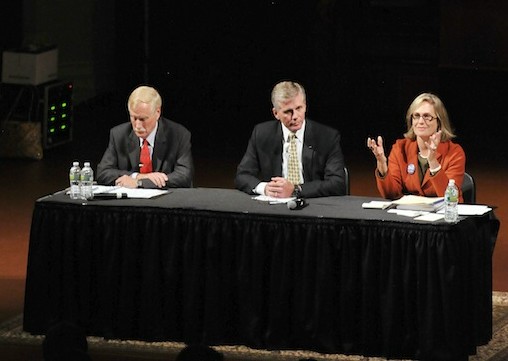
x=274 y=111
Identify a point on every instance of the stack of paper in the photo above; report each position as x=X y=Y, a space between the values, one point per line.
x=424 y=208
x=419 y=203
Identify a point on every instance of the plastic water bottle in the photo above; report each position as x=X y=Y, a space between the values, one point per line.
x=86 y=181
x=451 y=213
x=74 y=179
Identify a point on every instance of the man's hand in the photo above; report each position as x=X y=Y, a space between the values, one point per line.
x=158 y=178
x=279 y=187
x=126 y=181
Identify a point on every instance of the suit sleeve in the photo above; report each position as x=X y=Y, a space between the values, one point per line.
x=248 y=170
x=453 y=166
x=329 y=177
x=108 y=168
x=391 y=185
x=181 y=175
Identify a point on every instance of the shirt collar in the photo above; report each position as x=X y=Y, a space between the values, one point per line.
x=151 y=136
x=299 y=133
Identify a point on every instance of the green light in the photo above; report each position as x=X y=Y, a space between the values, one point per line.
x=53 y=107
x=52 y=130
x=63 y=127
x=63 y=116
x=64 y=104
x=52 y=119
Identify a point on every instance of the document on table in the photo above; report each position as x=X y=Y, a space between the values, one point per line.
x=272 y=200
x=130 y=192
x=430 y=217
x=418 y=215
x=471 y=210
x=377 y=205
x=419 y=203
x=408 y=203
x=407 y=213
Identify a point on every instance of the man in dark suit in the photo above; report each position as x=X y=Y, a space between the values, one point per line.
x=266 y=167
x=150 y=151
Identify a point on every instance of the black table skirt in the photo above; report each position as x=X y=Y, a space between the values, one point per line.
x=271 y=281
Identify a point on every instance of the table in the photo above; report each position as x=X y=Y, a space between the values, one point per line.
x=215 y=266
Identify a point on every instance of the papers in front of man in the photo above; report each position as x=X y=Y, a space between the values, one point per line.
x=130 y=192
x=272 y=200
x=419 y=203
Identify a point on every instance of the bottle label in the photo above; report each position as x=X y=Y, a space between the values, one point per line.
x=452 y=198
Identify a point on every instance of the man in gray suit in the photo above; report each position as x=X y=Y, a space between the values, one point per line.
x=265 y=167
x=150 y=151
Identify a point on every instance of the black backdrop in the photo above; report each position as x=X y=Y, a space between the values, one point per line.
x=215 y=63
x=361 y=61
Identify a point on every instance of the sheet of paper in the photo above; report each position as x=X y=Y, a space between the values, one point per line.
x=272 y=200
x=470 y=210
x=376 y=204
x=430 y=217
x=412 y=199
x=131 y=192
x=406 y=213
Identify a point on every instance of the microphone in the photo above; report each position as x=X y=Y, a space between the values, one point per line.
x=110 y=195
x=297 y=203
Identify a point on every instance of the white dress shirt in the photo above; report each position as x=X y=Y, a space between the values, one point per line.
x=260 y=188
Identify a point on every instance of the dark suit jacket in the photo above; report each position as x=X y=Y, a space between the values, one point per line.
x=171 y=155
x=322 y=158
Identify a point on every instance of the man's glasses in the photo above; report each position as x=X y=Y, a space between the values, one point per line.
x=427 y=117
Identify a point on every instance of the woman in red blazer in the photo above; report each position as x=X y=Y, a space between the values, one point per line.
x=424 y=161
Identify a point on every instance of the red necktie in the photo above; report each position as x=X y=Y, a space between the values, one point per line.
x=145 y=160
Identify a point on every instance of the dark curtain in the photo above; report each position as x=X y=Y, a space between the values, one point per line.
x=330 y=285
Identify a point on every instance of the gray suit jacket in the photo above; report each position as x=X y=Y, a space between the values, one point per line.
x=171 y=155
x=322 y=158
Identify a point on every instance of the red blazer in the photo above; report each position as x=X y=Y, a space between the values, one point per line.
x=402 y=176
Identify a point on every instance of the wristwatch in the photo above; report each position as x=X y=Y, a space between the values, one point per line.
x=140 y=183
x=297 y=192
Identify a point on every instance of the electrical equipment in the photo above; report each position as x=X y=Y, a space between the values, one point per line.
x=57 y=115
x=47 y=107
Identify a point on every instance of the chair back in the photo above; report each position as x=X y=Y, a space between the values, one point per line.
x=346 y=174
x=469 y=189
